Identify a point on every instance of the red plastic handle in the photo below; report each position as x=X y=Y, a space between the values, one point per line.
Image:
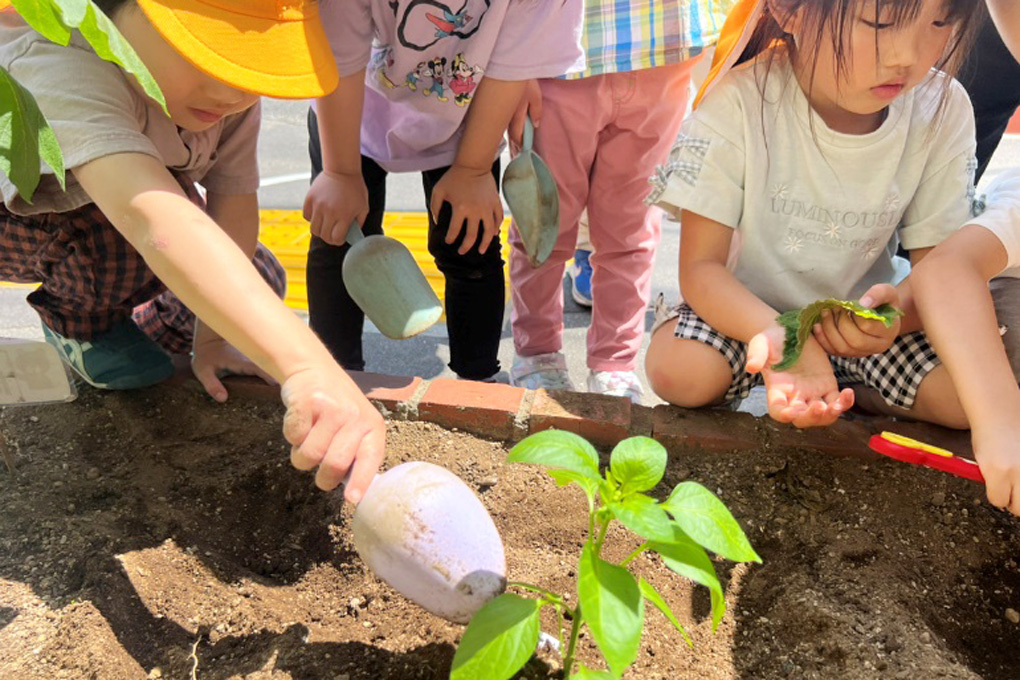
x=961 y=467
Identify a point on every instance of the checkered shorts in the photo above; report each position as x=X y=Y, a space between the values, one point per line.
x=92 y=278
x=895 y=374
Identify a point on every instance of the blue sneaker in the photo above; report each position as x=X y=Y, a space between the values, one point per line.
x=580 y=278
x=123 y=358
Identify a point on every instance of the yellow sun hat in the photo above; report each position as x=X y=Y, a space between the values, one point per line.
x=736 y=34
x=276 y=48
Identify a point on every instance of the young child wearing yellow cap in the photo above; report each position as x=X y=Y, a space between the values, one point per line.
x=442 y=83
x=130 y=223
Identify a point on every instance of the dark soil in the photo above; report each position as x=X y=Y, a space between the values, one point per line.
x=156 y=534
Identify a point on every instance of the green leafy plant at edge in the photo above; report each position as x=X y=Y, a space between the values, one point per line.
x=502 y=636
x=25 y=136
x=799 y=322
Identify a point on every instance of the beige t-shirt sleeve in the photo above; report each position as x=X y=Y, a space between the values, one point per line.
x=92 y=110
x=236 y=170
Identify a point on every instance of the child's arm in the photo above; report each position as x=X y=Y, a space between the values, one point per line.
x=238 y=215
x=950 y=288
x=329 y=422
x=338 y=196
x=468 y=186
x=806 y=395
x=1006 y=15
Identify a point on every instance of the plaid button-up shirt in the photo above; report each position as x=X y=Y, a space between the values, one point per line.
x=628 y=35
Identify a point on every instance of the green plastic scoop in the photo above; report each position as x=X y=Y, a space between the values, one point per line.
x=531 y=194
x=382 y=277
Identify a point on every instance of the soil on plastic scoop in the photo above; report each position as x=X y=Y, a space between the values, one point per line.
x=156 y=534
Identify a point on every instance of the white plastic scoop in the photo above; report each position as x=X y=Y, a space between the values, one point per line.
x=426 y=534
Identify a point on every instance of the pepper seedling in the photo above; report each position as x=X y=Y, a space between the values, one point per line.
x=502 y=636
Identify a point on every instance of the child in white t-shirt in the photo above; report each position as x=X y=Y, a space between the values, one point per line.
x=442 y=84
x=795 y=179
x=950 y=288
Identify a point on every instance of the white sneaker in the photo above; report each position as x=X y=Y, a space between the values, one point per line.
x=616 y=384
x=542 y=371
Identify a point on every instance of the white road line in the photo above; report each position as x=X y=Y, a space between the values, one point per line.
x=285 y=179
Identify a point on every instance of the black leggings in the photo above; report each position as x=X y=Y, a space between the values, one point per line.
x=475 y=292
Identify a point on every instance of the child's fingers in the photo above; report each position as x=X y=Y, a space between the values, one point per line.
x=436 y=204
x=308 y=451
x=470 y=235
x=758 y=351
x=334 y=465
x=880 y=293
x=206 y=375
x=822 y=339
x=369 y=455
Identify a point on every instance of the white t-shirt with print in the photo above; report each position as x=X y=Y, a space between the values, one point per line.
x=1001 y=216
x=816 y=213
x=426 y=58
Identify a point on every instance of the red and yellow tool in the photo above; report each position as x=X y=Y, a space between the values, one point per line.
x=918 y=453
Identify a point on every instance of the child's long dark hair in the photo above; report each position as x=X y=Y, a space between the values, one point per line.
x=111 y=7
x=834 y=19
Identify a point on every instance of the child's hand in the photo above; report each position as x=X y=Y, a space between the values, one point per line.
x=331 y=425
x=531 y=104
x=474 y=198
x=844 y=334
x=214 y=358
x=997 y=452
x=807 y=394
x=334 y=201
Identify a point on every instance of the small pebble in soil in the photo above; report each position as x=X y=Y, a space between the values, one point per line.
x=938 y=498
x=1012 y=615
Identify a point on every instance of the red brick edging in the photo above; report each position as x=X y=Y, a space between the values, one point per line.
x=510 y=413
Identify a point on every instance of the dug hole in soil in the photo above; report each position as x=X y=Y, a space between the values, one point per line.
x=156 y=534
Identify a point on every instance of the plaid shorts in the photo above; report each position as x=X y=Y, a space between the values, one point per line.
x=92 y=278
x=895 y=374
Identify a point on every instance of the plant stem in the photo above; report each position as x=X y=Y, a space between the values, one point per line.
x=575 y=630
x=602 y=537
x=640 y=549
x=551 y=596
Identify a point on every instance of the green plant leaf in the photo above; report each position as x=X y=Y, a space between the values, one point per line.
x=110 y=45
x=558 y=449
x=644 y=516
x=499 y=640
x=25 y=138
x=701 y=514
x=798 y=324
x=588 y=674
x=564 y=477
x=652 y=595
x=612 y=606
x=46 y=17
x=689 y=559
x=55 y=19
x=638 y=463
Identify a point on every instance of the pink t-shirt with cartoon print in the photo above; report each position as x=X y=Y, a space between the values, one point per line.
x=426 y=58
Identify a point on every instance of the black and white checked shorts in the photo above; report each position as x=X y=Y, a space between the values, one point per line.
x=896 y=373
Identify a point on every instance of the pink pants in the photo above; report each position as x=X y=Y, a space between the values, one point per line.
x=602 y=137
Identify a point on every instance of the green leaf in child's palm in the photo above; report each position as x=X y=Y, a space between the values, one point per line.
x=25 y=138
x=638 y=463
x=612 y=605
x=557 y=449
x=705 y=519
x=798 y=324
x=652 y=595
x=499 y=640
x=689 y=559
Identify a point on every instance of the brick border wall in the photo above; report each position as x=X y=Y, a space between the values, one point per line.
x=506 y=413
